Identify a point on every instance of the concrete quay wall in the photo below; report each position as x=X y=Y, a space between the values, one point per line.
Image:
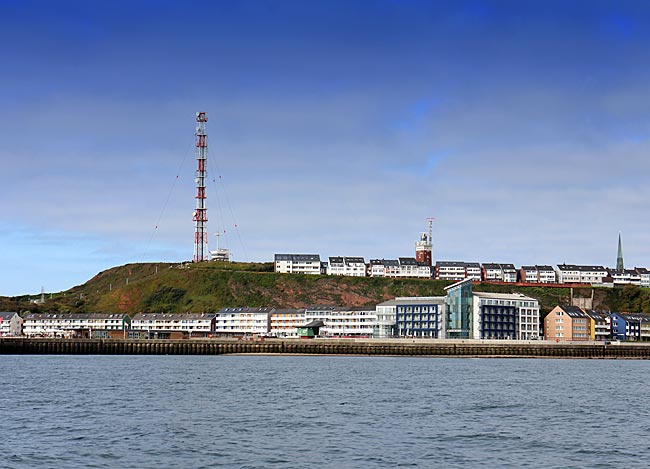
x=394 y=347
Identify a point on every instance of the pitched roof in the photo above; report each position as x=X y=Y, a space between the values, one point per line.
x=172 y=316
x=574 y=312
x=76 y=316
x=582 y=268
x=456 y=264
x=297 y=257
x=354 y=260
x=247 y=310
x=407 y=261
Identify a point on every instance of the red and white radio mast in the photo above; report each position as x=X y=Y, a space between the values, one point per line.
x=200 y=213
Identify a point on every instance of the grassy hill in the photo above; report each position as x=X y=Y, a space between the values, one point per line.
x=208 y=287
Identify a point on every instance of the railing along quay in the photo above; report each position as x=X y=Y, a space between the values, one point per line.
x=393 y=347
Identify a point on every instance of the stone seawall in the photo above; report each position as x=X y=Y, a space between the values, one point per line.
x=440 y=348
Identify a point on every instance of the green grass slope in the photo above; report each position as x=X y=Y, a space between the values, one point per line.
x=207 y=287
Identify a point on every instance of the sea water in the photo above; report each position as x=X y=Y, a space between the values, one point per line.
x=321 y=411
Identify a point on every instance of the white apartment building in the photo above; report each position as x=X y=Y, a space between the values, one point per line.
x=509 y=273
x=492 y=272
x=473 y=271
x=529 y=274
x=625 y=277
x=537 y=274
x=238 y=322
x=546 y=274
x=504 y=315
x=347 y=266
x=348 y=322
x=499 y=273
x=377 y=268
x=298 y=264
x=343 y=322
x=571 y=273
x=285 y=322
x=11 y=324
x=411 y=268
x=67 y=325
x=455 y=271
x=191 y=323
x=385 y=325
x=644 y=274
x=392 y=268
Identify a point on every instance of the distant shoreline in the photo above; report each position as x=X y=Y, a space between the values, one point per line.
x=359 y=347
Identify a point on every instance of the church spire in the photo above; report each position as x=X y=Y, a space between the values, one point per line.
x=619 y=259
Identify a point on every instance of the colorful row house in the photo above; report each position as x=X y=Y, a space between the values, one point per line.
x=567 y=323
x=627 y=326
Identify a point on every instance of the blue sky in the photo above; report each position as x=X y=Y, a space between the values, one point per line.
x=337 y=128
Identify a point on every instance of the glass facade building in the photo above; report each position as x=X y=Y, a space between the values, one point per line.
x=459 y=310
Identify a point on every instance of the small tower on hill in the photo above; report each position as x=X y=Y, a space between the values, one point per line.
x=424 y=246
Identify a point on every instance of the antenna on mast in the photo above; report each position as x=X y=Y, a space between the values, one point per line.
x=200 y=215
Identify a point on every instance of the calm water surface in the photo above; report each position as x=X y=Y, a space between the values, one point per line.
x=309 y=411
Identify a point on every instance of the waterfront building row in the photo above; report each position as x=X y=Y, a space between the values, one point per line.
x=461 y=313
x=575 y=324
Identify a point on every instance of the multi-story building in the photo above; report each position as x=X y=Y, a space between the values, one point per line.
x=567 y=323
x=392 y=268
x=504 y=316
x=509 y=273
x=351 y=322
x=174 y=325
x=644 y=275
x=528 y=274
x=76 y=325
x=625 y=277
x=343 y=322
x=238 y=322
x=376 y=268
x=644 y=324
x=347 y=266
x=285 y=322
x=537 y=274
x=456 y=271
x=499 y=272
x=420 y=317
x=409 y=267
x=628 y=326
x=298 y=264
x=625 y=326
x=458 y=313
x=546 y=274
x=11 y=324
x=385 y=325
x=473 y=271
x=599 y=327
x=571 y=273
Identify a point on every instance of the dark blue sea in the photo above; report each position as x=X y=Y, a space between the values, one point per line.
x=321 y=411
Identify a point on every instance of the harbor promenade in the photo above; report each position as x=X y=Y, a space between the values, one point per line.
x=380 y=347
